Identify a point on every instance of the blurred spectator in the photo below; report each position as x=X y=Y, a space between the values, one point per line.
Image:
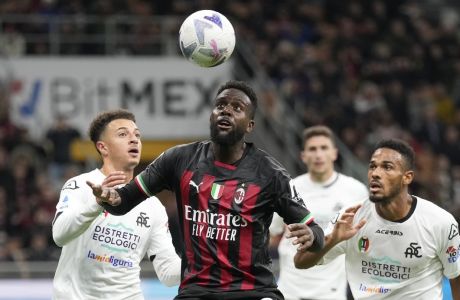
x=39 y=249
x=368 y=99
x=4 y=214
x=60 y=135
x=6 y=176
x=12 y=42
x=451 y=144
x=9 y=132
x=431 y=129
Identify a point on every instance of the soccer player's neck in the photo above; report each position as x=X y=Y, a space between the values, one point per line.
x=395 y=209
x=109 y=167
x=322 y=177
x=228 y=154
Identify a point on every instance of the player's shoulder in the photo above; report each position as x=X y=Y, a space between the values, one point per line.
x=350 y=182
x=189 y=147
x=352 y=189
x=266 y=162
x=430 y=210
x=301 y=178
x=182 y=151
x=79 y=181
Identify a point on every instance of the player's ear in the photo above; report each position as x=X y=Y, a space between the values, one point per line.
x=408 y=177
x=250 y=127
x=303 y=156
x=335 y=154
x=101 y=147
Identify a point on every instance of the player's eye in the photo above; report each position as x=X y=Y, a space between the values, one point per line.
x=237 y=108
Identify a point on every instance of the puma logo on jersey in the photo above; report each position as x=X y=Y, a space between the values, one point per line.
x=195 y=185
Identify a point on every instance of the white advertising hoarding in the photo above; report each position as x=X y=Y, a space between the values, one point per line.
x=170 y=97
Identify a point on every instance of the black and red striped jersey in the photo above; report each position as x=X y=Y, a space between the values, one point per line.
x=225 y=212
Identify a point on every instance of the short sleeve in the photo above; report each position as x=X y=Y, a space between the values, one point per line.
x=159 y=174
x=449 y=247
x=289 y=204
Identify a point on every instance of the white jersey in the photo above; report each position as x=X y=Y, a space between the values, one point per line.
x=101 y=252
x=401 y=260
x=324 y=200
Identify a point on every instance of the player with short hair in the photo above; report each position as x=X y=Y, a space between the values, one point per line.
x=326 y=192
x=227 y=191
x=396 y=245
x=101 y=252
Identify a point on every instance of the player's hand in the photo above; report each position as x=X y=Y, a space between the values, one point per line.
x=105 y=194
x=344 y=228
x=114 y=179
x=303 y=236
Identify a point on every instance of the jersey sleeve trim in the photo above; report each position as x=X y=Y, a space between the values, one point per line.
x=307 y=219
x=142 y=186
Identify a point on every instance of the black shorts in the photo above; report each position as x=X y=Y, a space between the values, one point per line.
x=272 y=294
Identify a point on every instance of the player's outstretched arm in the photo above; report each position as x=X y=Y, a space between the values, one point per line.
x=74 y=217
x=343 y=230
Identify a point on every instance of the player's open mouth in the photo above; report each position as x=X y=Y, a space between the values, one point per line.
x=224 y=124
x=374 y=186
x=134 y=152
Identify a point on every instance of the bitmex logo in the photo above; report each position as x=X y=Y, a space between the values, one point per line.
x=373 y=289
x=116 y=262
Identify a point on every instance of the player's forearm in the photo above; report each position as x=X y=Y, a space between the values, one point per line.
x=130 y=197
x=72 y=222
x=305 y=260
x=455 y=288
x=167 y=266
x=318 y=242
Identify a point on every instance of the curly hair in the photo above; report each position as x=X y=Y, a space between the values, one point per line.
x=99 y=123
x=245 y=88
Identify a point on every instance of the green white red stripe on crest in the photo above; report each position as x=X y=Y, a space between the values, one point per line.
x=141 y=185
x=308 y=219
x=216 y=191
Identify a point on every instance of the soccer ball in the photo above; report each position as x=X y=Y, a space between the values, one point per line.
x=206 y=38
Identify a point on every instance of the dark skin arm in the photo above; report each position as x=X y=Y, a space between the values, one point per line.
x=302 y=235
x=307 y=237
x=455 y=288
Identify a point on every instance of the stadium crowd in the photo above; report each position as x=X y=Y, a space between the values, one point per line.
x=368 y=69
